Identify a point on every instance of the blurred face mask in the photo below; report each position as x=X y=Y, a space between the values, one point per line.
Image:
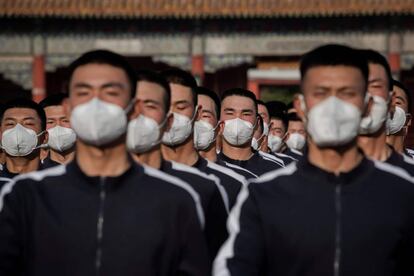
x=180 y=130
x=333 y=122
x=61 y=138
x=397 y=122
x=375 y=120
x=296 y=141
x=20 y=141
x=143 y=134
x=99 y=123
x=274 y=142
x=204 y=134
x=237 y=132
x=255 y=142
x=265 y=129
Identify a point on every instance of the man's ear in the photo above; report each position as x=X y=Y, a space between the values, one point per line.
x=45 y=136
x=300 y=106
x=408 y=120
x=221 y=127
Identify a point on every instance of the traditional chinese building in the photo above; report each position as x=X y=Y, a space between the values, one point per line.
x=225 y=43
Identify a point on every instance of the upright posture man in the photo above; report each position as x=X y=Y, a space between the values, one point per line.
x=62 y=138
x=239 y=120
x=397 y=126
x=334 y=212
x=144 y=136
x=23 y=128
x=101 y=214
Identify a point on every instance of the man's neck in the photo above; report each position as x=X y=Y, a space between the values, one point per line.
x=397 y=142
x=62 y=157
x=375 y=146
x=237 y=153
x=152 y=158
x=22 y=164
x=185 y=153
x=210 y=154
x=335 y=160
x=108 y=161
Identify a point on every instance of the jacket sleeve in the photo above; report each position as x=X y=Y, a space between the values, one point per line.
x=242 y=253
x=215 y=228
x=194 y=256
x=10 y=231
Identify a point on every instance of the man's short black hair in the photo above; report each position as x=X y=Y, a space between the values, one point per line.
x=407 y=93
x=108 y=58
x=282 y=116
x=212 y=95
x=260 y=123
x=293 y=117
x=334 y=55
x=276 y=107
x=53 y=100
x=153 y=77
x=376 y=58
x=26 y=103
x=181 y=77
x=240 y=92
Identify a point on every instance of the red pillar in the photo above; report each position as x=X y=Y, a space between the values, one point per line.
x=395 y=63
x=197 y=67
x=38 y=78
x=253 y=85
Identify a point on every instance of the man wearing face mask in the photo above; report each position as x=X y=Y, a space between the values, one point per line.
x=397 y=126
x=296 y=136
x=145 y=132
x=239 y=121
x=277 y=135
x=205 y=139
x=264 y=113
x=101 y=214
x=326 y=213
x=23 y=124
x=258 y=139
x=61 y=140
x=373 y=131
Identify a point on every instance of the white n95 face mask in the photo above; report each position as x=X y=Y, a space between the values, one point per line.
x=397 y=122
x=143 y=134
x=20 y=141
x=255 y=142
x=61 y=138
x=204 y=134
x=265 y=129
x=274 y=142
x=375 y=120
x=333 y=122
x=180 y=130
x=237 y=132
x=99 y=123
x=296 y=141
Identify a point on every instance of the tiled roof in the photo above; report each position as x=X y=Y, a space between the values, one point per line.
x=202 y=8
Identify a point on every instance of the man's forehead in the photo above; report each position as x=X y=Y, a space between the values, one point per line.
x=238 y=102
x=206 y=102
x=99 y=74
x=18 y=112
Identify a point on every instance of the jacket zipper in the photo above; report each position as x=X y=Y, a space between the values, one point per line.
x=99 y=226
x=338 y=224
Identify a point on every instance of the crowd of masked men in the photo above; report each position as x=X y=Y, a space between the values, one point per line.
x=146 y=173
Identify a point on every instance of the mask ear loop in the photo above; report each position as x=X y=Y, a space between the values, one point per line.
x=130 y=106
x=302 y=102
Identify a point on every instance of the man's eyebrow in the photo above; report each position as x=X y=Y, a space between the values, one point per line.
x=182 y=102
x=149 y=101
x=247 y=110
x=375 y=80
x=207 y=111
x=113 y=84
x=229 y=109
x=401 y=98
x=82 y=85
